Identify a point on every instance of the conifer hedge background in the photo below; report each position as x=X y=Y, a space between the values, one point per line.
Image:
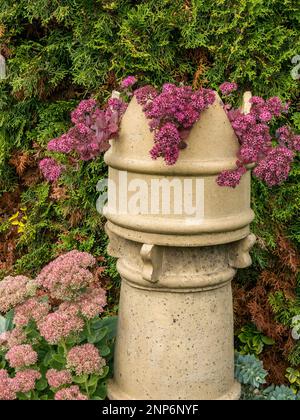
x=61 y=51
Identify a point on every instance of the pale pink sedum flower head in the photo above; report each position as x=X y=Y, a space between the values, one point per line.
x=7 y=391
x=57 y=378
x=90 y=304
x=16 y=337
x=85 y=359
x=32 y=309
x=9 y=339
x=21 y=356
x=71 y=393
x=24 y=380
x=67 y=275
x=59 y=325
x=4 y=340
x=14 y=290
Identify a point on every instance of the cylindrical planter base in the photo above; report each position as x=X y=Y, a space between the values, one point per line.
x=174 y=345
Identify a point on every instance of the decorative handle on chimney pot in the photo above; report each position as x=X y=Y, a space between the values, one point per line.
x=239 y=256
x=152 y=262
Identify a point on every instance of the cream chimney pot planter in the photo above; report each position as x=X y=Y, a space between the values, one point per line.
x=175 y=328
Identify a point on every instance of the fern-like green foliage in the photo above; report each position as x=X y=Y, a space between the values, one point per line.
x=284 y=309
x=294 y=355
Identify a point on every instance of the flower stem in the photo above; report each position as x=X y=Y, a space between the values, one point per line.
x=87 y=389
x=64 y=347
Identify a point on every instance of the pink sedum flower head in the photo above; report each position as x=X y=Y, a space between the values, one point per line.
x=4 y=340
x=32 y=309
x=275 y=167
x=60 y=325
x=14 y=290
x=71 y=393
x=57 y=378
x=264 y=111
x=166 y=144
x=81 y=113
x=253 y=132
x=15 y=337
x=24 y=380
x=171 y=114
x=288 y=139
x=231 y=178
x=63 y=144
x=128 y=82
x=92 y=130
x=227 y=88
x=68 y=275
x=117 y=105
x=21 y=356
x=50 y=169
x=145 y=96
x=90 y=304
x=7 y=391
x=179 y=104
x=85 y=360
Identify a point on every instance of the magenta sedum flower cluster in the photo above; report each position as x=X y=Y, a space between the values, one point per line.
x=128 y=82
x=172 y=113
x=227 y=88
x=50 y=169
x=63 y=301
x=272 y=163
x=92 y=130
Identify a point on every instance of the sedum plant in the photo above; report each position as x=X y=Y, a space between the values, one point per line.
x=271 y=153
x=53 y=344
x=171 y=114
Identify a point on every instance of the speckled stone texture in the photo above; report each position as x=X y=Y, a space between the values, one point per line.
x=175 y=332
x=177 y=344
